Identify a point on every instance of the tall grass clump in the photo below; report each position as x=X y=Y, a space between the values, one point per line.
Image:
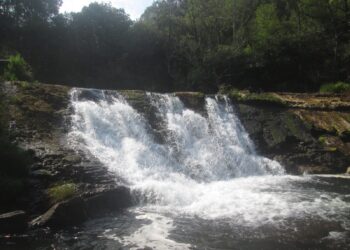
x=18 y=69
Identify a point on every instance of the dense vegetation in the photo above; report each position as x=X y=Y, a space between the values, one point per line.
x=292 y=45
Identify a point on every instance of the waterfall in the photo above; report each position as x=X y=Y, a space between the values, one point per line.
x=198 y=150
x=204 y=168
x=212 y=148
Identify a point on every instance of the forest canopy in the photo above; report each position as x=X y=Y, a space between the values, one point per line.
x=283 y=45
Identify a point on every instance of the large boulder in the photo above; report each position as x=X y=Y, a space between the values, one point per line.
x=108 y=200
x=67 y=213
x=88 y=206
x=13 y=222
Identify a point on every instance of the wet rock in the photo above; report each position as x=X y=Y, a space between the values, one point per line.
x=13 y=222
x=72 y=159
x=314 y=170
x=193 y=100
x=88 y=206
x=64 y=214
x=42 y=174
x=348 y=171
x=273 y=129
x=105 y=201
x=280 y=133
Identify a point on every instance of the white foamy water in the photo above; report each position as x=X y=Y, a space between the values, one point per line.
x=154 y=235
x=207 y=167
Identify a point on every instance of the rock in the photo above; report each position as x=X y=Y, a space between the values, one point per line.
x=13 y=222
x=79 y=209
x=279 y=132
x=73 y=159
x=331 y=122
x=64 y=214
x=273 y=128
x=348 y=171
x=314 y=170
x=42 y=174
x=193 y=100
x=106 y=201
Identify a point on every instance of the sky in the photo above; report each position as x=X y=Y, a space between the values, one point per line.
x=134 y=8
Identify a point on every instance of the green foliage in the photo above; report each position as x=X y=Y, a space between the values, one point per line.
x=18 y=69
x=338 y=87
x=62 y=192
x=184 y=44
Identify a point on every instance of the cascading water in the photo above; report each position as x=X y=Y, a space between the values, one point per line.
x=206 y=170
x=213 y=148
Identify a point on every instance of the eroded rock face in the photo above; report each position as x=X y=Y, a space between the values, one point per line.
x=301 y=145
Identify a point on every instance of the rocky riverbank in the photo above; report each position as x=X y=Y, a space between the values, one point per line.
x=64 y=185
x=307 y=133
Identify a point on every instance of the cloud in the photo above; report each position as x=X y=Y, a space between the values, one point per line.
x=134 y=8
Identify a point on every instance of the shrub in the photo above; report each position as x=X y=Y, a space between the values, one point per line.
x=62 y=192
x=338 y=87
x=17 y=69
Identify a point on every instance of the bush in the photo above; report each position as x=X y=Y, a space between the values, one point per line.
x=338 y=87
x=17 y=69
x=62 y=192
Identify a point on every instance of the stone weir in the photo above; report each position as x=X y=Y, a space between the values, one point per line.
x=306 y=133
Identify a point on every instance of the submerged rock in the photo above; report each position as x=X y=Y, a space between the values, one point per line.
x=13 y=222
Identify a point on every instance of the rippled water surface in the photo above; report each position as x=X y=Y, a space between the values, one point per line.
x=295 y=213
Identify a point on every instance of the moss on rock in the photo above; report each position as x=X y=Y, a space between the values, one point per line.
x=258 y=98
x=61 y=192
x=330 y=122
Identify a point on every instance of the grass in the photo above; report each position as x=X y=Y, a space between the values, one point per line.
x=335 y=88
x=62 y=192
